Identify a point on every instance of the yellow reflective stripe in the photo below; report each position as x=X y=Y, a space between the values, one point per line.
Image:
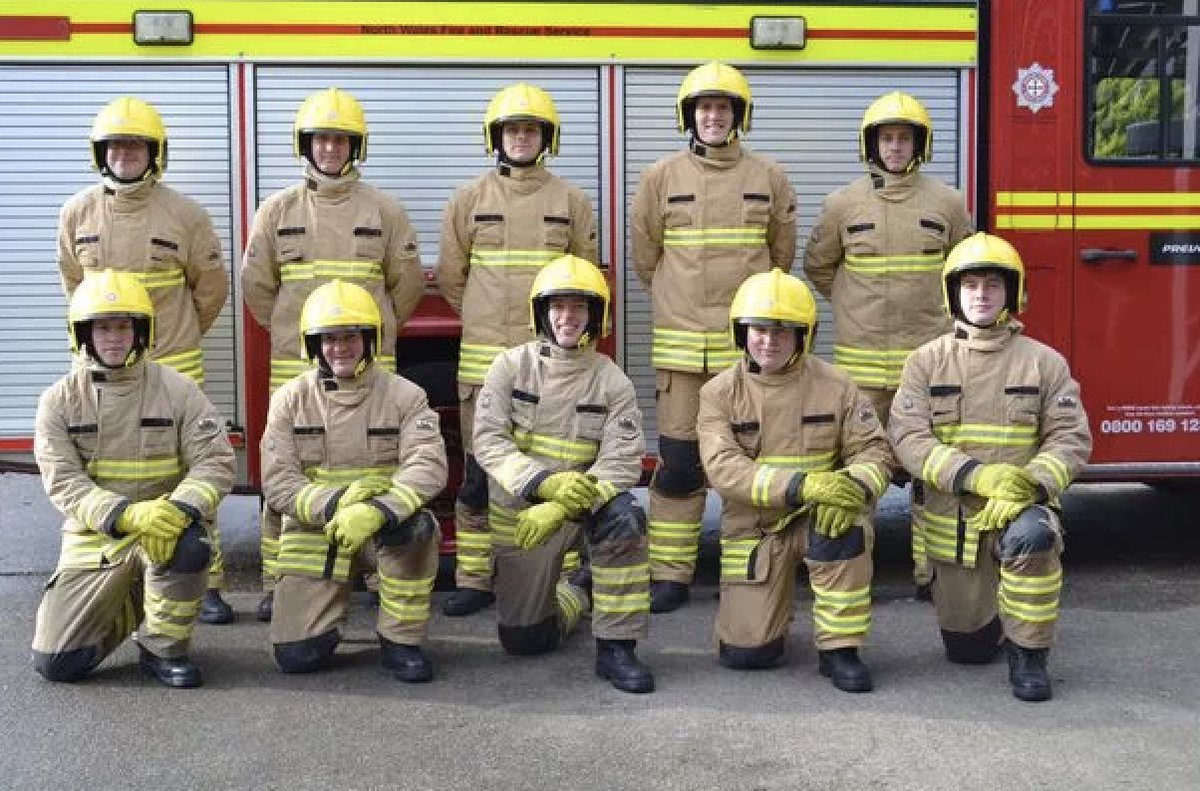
x=987 y=434
x=201 y=489
x=503 y=524
x=937 y=459
x=760 y=490
x=1052 y=465
x=190 y=363
x=556 y=448
x=1024 y=611
x=160 y=278
x=88 y=550
x=673 y=542
x=513 y=257
x=344 y=476
x=941 y=537
x=135 y=469
x=406 y=495
x=344 y=270
x=608 y=491
x=93 y=506
x=1039 y=585
x=832 y=610
x=691 y=350
x=306 y=500
x=703 y=237
x=880 y=368
x=570 y=561
x=269 y=549
x=692 y=338
x=812 y=462
x=406 y=600
x=189 y=608
x=306 y=553
x=621 y=602
x=673 y=529
x=474 y=360
x=735 y=557
x=572 y=602
x=284 y=371
x=472 y=539
x=611 y=576
x=876 y=478
x=893 y=264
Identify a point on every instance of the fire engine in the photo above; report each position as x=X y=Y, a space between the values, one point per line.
x=1069 y=125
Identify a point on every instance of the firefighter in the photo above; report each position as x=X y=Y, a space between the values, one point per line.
x=330 y=225
x=704 y=220
x=132 y=222
x=351 y=454
x=559 y=434
x=990 y=425
x=876 y=254
x=136 y=458
x=798 y=456
x=498 y=231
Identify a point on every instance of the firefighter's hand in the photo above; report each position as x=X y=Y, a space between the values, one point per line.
x=1002 y=480
x=538 y=522
x=833 y=521
x=574 y=491
x=833 y=488
x=364 y=489
x=159 y=550
x=996 y=514
x=353 y=525
x=155 y=518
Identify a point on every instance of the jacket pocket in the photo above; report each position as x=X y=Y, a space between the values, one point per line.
x=1023 y=404
x=383 y=444
x=945 y=405
x=556 y=232
x=589 y=421
x=368 y=244
x=310 y=445
x=487 y=231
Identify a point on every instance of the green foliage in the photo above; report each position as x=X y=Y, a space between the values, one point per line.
x=1121 y=101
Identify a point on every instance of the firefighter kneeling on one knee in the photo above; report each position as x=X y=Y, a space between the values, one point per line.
x=799 y=457
x=990 y=424
x=559 y=433
x=136 y=458
x=351 y=454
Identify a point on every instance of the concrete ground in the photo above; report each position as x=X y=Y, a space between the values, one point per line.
x=1126 y=712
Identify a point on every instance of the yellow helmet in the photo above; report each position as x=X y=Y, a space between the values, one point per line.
x=127 y=118
x=896 y=108
x=569 y=275
x=330 y=110
x=521 y=102
x=984 y=252
x=111 y=294
x=338 y=306
x=714 y=79
x=774 y=299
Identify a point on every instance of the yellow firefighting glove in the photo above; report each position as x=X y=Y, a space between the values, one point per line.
x=1001 y=480
x=353 y=525
x=833 y=488
x=572 y=490
x=155 y=518
x=996 y=514
x=364 y=489
x=538 y=522
x=833 y=521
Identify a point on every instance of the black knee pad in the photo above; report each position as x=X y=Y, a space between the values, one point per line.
x=974 y=648
x=305 y=656
x=538 y=638
x=757 y=658
x=67 y=666
x=848 y=545
x=193 y=551
x=621 y=518
x=474 y=490
x=417 y=528
x=679 y=472
x=1030 y=532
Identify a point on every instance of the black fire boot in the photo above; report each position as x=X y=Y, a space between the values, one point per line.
x=179 y=672
x=467 y=601
x=843 y=667
x=407 y=662
x=1027 y=672
x=214 y=609
x=668 y=596
x=616 y=662
x=266 y=607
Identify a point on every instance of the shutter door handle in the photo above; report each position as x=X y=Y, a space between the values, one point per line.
x=1096 y=255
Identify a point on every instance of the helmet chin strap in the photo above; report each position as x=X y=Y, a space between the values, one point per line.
x=1001 y=318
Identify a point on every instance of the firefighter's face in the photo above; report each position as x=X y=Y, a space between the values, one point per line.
x=771 y=347
x=112 y=340
x=981 y=297
x=343 y=351
x=568 y=318
x=714 y=119
x=127 y=158
x=330 y=152
x=896 y=145
x=522 y=141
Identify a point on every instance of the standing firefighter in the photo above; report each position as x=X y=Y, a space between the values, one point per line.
x=559 y=433
x=331 y=225
x=135 y=457
x=498 y=231
x=704 y=220
x=798 y=456
x=132 y=222
x=990 y=425
x=876 y=254
x=351 y=454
